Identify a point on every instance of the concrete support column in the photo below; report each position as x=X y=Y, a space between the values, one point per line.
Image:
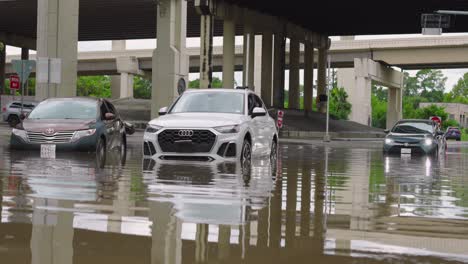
x=278 y=70
x=2 y=67
x=308 y=76
x=57 y=37
x=394 y=106
x=294 y=74
x=229 y=43
x=121 y=86
x=170 y=61
x=249 y=56
x=322 y=78
x=267 y=68
x=206 y=50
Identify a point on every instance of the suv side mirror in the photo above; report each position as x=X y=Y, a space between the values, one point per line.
x=109 y=116
x=163 y=111
x=258 y=111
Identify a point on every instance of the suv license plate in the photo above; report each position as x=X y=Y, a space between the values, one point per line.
x=405 y=151
x=48 y=151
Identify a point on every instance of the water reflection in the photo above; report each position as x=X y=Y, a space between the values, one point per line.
x=330 y=204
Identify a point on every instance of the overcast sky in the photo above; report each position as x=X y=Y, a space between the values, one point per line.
x=452 y=74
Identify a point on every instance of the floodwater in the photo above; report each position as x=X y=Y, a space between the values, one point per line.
x=320 y=204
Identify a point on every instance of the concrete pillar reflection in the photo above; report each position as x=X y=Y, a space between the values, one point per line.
x=166 y=234
x=229 y=43
x=322 y=78
x=249 y=56
x=170 y=61
x=262 y=229
x=308 y=76
x=201 y=243
x=57 y=37
x=278 y=70
x=52 y=233
x=276 y=214
x=319 y=220
x=224 y=242
x=2 y=67
x=291 y=201
x=305 y=200
x=294 y=74
x=267 y=68
x=206 y=50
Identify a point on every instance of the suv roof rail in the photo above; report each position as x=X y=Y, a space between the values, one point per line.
x=243 y=88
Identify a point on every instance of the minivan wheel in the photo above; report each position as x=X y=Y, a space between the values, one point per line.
x=13 y=121
x=246 y=154
x=101 y=152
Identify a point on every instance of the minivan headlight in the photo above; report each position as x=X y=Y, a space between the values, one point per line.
x=20 y=133
x=428 y=141
x=82 y=133
x=228 y=129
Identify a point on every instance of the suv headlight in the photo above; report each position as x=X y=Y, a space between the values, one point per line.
x=82 y=133
x=152 y=128
x=228 y=129
x=388 y=141
x=20 y=133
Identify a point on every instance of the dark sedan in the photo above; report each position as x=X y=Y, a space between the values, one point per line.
x=81 y=124
x=453 y=133
x=415 y=136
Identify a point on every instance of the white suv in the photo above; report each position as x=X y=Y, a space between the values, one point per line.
x=212 y=124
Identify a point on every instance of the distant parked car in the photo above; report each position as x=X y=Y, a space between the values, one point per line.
x=453 y=133
x=415 y=136
x=11 y=112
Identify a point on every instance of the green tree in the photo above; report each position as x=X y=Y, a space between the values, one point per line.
x=216 y=83
x=141 y=88
x=410 y=85
x=339 y=105
x=460 y=89
x=379 y=112
x=94 y=86
x=431 y=84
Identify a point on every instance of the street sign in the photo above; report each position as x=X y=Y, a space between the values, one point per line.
x=14 y=82
x=49 y=70
x=280 y=119
x=23 y=68
x=437 y=119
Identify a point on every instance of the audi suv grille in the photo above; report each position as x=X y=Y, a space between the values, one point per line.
x=186 y=141
x=57 y=138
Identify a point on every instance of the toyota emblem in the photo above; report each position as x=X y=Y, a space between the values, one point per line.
x=406 y=144
x=185 y=133
x=49 y=131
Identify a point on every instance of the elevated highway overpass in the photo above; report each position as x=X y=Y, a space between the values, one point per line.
x=405 y=53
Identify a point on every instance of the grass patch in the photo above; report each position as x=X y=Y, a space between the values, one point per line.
x=464 y=136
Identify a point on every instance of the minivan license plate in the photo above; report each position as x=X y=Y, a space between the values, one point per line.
x=405 y=151
x=48 y=151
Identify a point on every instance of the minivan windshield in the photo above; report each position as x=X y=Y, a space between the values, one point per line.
x=66 y=109
x=210 y=102
x=413 y=128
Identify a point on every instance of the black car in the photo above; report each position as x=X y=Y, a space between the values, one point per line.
x=81 y=124
x=415 y=136
x=453 y=133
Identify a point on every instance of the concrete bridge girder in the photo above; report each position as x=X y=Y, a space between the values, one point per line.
x=357 y=82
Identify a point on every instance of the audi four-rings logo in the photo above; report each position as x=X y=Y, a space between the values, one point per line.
x=185 y=133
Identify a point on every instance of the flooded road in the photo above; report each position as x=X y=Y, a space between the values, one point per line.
x=344 y=203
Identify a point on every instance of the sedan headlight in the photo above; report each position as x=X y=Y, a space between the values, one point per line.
x=228 y=129
x=20 y=133
x=82 y=133
x=152 y=128
x=428 y=141
x=388 y=141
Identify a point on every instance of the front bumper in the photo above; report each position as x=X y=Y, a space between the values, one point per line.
x=415 y=148
x=83 y=144
x=226 y=147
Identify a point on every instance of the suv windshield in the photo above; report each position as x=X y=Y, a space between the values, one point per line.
x=210 y=102
x=67 y=109
x=413 y=128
